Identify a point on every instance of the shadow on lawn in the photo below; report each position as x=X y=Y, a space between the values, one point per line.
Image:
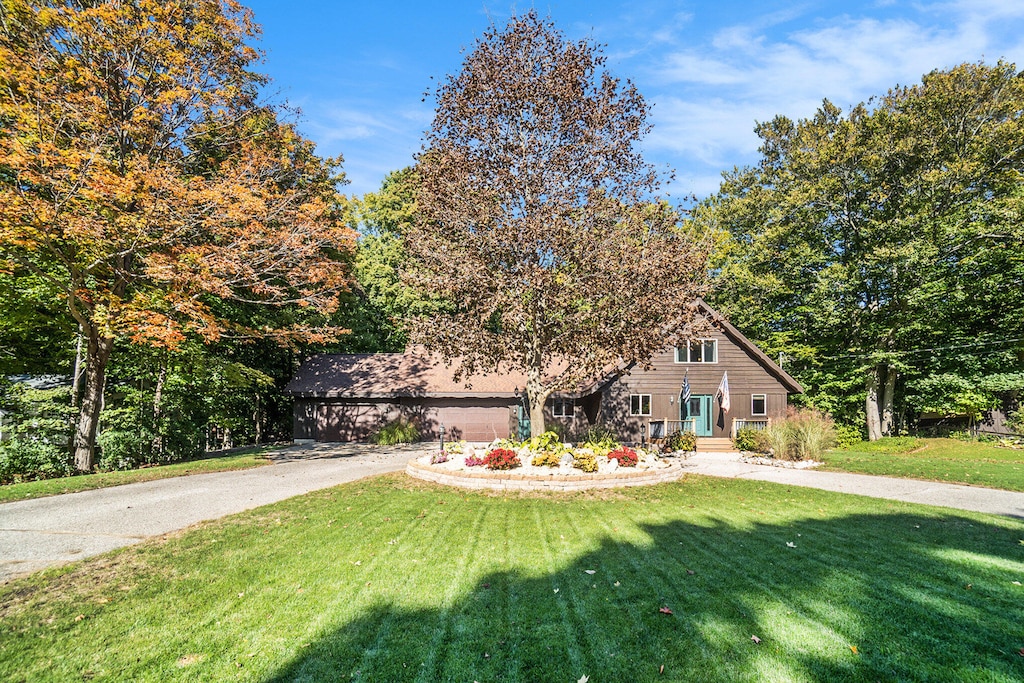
x=865 y=597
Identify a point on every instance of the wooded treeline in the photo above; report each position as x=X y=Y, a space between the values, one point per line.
x=171 y=246
x=880 y=251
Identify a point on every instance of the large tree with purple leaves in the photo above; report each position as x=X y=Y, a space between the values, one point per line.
x=539 y=220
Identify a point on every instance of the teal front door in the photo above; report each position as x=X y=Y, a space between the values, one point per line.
x=523 y=418
x=699 y=408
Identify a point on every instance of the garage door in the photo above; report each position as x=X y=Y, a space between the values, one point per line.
x=346 y=422
x=474 y=423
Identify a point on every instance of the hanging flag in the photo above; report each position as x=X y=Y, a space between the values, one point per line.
x=723 y=392
x=686 y=390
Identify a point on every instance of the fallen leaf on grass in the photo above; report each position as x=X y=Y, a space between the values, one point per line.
x=80 y=617
x=617 y=584
x=690 y=572
x=665 y=610
x=589 y=571
x=556 y=590
x=756 y=640
x=969 y=586
x=790 y=544
x=662 y=669
x=1015 y=583
x=1021 y=652
x=853 y=649
x=583 y=679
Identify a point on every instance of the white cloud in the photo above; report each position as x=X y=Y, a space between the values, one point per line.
x=709 y=95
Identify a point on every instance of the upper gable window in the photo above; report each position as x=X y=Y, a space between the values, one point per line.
x=698 y=351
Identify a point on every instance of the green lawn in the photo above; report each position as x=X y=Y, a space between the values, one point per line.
x=391 y=579
x=253 y=457
x=947 y=460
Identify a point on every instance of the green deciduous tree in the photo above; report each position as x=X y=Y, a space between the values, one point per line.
x=536 y=217
x=876 y=243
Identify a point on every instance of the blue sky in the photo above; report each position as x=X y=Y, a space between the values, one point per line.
x=358 y=70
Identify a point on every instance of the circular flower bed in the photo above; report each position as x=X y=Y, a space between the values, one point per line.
x=544 y=463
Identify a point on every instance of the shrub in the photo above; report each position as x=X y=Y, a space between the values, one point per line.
x=546 y=459
x=1015 y=422
x=752 y=440
x=122 y=449
x=548 y=441
x=28 y=460
x=584 y=460
x=626 y=456
x=681 y=441
x=890 y=444
x=599 y=447
x=395 y=432
x=848 y=435
x=599 y=434
x=502 y=459
x=804 y=434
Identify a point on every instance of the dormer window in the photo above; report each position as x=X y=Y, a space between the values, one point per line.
x=698 y=351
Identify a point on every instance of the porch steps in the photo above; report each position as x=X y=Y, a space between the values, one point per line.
x=707 y=444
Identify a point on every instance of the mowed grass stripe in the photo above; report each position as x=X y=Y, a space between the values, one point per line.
x=464 y=591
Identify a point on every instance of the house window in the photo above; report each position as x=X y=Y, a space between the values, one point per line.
x=758 y=404
x=563 y=407
x=698 y=351
x=640 y=404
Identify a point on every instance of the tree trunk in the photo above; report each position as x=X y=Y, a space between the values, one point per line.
x=76 y=375
x=158 y=393
x=871 y=406
x=257 y=420
x=97 y=355
x=537 y=396
x=888 y=393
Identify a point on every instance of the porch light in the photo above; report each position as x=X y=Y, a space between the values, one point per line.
x=643 y=432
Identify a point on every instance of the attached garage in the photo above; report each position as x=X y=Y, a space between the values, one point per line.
x=346 y=398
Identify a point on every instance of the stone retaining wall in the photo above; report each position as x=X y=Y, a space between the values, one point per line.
x=509 y=480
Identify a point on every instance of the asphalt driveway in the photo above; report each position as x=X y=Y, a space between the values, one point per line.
x=39 y=533
x=42 y=532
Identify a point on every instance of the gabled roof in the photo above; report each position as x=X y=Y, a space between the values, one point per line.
x=418 y=373
x=394 y=375
x=740 y=340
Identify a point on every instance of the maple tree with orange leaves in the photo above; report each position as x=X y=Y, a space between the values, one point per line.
x=143 y=180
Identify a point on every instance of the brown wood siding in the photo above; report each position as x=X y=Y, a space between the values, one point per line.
x=664 y=380
x=570 y=426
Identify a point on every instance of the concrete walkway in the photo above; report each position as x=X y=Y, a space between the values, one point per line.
x=39 y=533
x=972 y=498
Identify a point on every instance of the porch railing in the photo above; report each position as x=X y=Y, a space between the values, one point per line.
x=661 y=429
x=739 y=423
